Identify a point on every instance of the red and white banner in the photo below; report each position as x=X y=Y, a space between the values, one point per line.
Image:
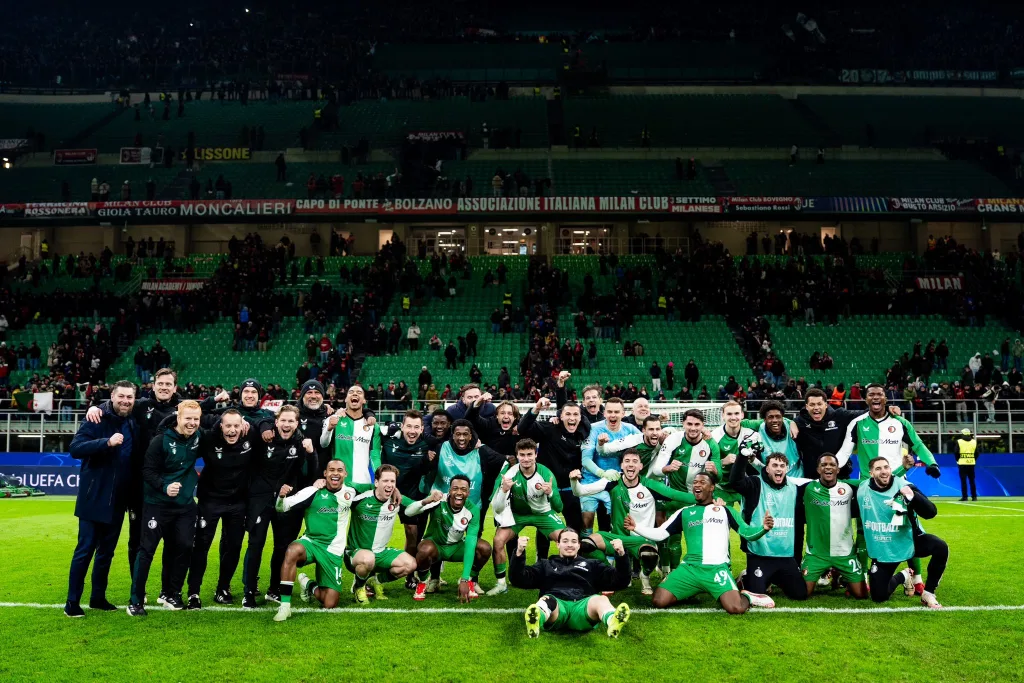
x=49 y=209
x=136 y=155
x=205 y=208
x=1010 y=205
x=933 y=204
x=74 y=157
x=172 y=285
x=940 y=283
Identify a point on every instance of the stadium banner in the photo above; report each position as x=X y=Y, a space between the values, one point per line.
x=853 y=204
x=12 y=144
x=203 y=208
x=1000 y=205
x=940 y=284
x=56 y=209
x=696 y=205
x=12 y=211
x=885 y=76
x=74 y=157
x=220 y=153
x=768 y=204
x=933 y=204
x=291 y=77
x=53 y=481
x=139 y=155
x=175 y=285
x=436 y=136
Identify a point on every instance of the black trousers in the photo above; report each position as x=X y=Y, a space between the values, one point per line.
x=783 y=572
x=99 y=540
x=967 y=475
x=882 y=581
x=176 y=526
x=286 y=528
x=231 y=515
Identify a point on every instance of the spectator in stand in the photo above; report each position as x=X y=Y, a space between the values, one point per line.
x=311 y=349
x=592 y=356
x=475 y=375
x=471 y=341
x=691 y=374
x=1018 y=355
x=435 y=343
x=451 y=355
x=282 y=168
x=425 y=377
x=655 y=372
x=325 y=348
x=412 y=336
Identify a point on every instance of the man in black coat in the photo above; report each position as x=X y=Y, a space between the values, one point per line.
x=823 y=428
x=107 y=451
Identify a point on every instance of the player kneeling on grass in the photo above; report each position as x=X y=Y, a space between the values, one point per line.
x=889 y=509
x=528 y=496
x=453 y=523
x=373 y=521
x=327 y=505
x=570 y=588
x=706 y=566
x=631 y=495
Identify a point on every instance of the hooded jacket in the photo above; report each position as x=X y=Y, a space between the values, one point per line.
x=560 y=451
x=826 y=436
x=311 y=423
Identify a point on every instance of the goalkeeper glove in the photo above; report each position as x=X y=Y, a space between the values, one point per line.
x=611 y=475
x=932 y=471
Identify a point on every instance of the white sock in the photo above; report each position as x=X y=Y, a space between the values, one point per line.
x=501 y=581
x=918 y=578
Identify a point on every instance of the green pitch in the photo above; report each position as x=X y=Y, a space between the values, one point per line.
x=440 y=640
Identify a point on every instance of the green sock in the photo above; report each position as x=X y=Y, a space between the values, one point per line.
x=286 y=592
x=675 y=548
x=915 y=564
x=386 y=577
x=500 y=570
x=606 y=616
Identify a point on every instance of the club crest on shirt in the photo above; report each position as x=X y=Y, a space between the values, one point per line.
x=892 y=429
x=464 y=521
x=219 y=451
x=291 y=451
x=841 y=491
x=715 y=508
x=758 y=573
x=640 y=495
x=151 y=524
x=348 y=496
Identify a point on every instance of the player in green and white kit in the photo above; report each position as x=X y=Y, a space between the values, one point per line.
x=327 y=504
x=357 y=442
x=830 y=505
x=528 y=496
x=631 y=495
x=684 y=454
x=373 y=521
x=647 y=444
x=706 y=567
x=730 y=436
x=875 y=434
x=451 y=535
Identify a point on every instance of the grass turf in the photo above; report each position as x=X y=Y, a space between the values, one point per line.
x=37 y=537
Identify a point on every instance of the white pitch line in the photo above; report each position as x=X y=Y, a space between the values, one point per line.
x=979 y=505
x=519 y=610
x=940 y=517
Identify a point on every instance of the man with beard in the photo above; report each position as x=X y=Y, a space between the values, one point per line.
x=462 y=454
x=775 y=432
x=250 y=409
x=823 y=428
x=631 y=495
x=597 y=466
x=876 y=433
x=169 y=511
x=279 y=467
x=499 y=432
x=405 y=447
x=107 y=451
x=223 y=492
x=469 y=394
x=451 y=535
x=148 y=413
x=312 y=413
x=356 y=442
x=707 y=567
x=561 y=451
x=889 y=508
x=772 y=560
x=326 y=505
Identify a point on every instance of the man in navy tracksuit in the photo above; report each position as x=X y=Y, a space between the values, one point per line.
x=106 y=450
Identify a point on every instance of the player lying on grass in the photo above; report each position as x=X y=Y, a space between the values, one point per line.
x=570 y=588
x=452 y=526
x=631 y=495
x=527 y=496
x=706 y=566
x=889 y=508
x=327 y=505
x=373 y=521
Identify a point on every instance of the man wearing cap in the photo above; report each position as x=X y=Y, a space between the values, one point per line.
x=312 y=413
x=251 y=410
x=965 y=450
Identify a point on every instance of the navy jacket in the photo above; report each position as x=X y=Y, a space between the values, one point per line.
x=104 y=487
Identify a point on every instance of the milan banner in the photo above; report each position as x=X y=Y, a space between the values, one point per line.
x=884 y=76
x=74 y=157
x=436 y=136
x=940 y=284
x=932 y=204
x=283 y=209
x=176 y=286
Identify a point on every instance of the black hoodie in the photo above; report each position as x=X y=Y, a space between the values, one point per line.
x=560 y=451
x=750 y=486
x=280 y=462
